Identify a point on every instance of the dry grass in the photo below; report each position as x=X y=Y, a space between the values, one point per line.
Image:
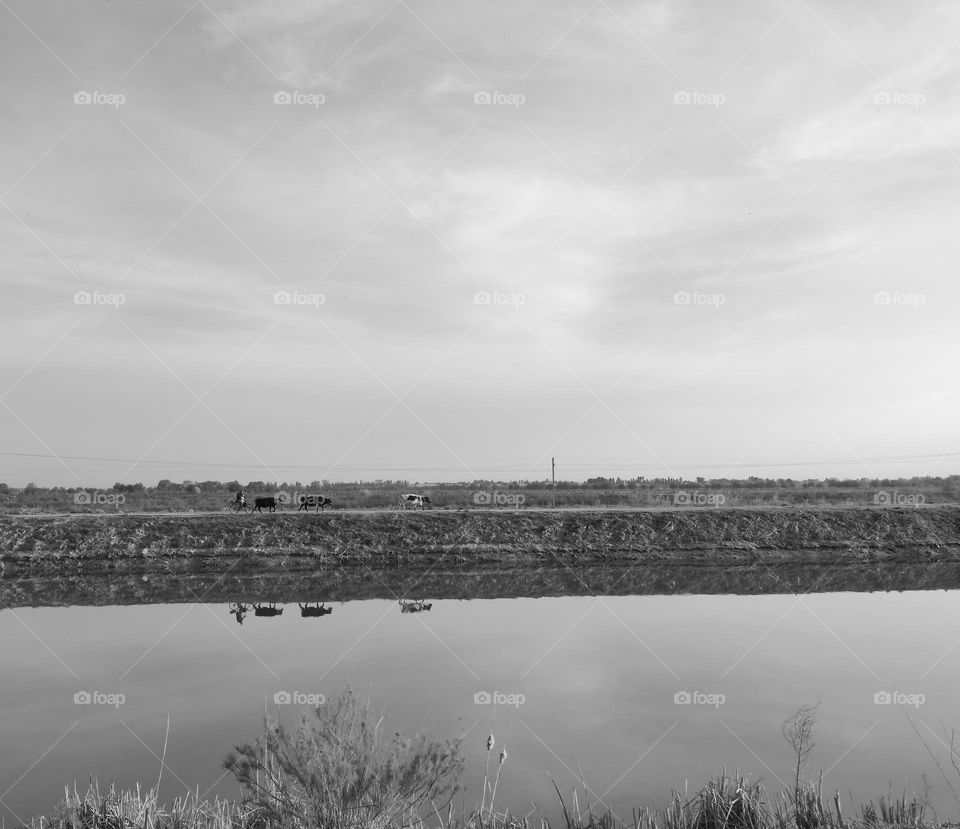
x=141 y=809
x=338 y=769
x=724 y=803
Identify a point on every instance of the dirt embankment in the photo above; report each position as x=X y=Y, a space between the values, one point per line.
x=472 y=554
x=384 y=539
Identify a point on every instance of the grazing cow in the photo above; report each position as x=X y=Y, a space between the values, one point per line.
x=272 y=610
x=415 y=501
x=270 y=502
x=414 y=606
x=318 y=501
x=312 y=612
x=239 y=609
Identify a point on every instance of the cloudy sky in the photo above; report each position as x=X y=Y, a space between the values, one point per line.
x=439 y=240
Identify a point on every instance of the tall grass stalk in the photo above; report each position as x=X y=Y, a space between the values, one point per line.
x=337 y=769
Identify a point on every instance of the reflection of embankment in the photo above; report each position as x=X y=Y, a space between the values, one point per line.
x=471 y=554
x=289 y=586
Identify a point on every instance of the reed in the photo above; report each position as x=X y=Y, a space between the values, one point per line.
x=339 y=769
x=723 y=803
x=142 y=809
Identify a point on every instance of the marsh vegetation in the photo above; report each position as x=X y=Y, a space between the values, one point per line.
x=339 y=769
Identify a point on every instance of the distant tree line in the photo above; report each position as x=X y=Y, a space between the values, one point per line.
x=203 y=496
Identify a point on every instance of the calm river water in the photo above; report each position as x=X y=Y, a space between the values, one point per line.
x=638 y=695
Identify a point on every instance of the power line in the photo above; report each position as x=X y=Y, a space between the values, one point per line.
x=576 y=464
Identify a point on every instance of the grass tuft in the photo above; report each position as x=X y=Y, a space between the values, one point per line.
x=338 y=769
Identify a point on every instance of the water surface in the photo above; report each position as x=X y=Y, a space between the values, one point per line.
x=598 y=677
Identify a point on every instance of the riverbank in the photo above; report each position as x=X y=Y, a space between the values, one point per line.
x=293 y=778
x=342 y=556
x=696 y=536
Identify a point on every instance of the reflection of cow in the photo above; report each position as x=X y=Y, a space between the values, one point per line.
x=272 y=610
x=318 y=501
x=415 y=501
x=270 y=502
x=414 y=606
x=239 y=609
x=312 y=612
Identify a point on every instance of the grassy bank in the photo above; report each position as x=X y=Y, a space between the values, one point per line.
x=337 y=768
x=723 y=803
x=129 y=559
x=696 y=536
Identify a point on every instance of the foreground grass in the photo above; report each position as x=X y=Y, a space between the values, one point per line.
x=724 y=803
x=339 y=770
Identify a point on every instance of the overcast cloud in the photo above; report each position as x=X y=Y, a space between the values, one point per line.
x=653 y=238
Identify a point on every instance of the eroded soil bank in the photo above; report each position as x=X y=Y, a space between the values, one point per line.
x=473 y=554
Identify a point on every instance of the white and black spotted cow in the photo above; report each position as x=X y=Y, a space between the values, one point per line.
x=318 y=501
x=414 y=501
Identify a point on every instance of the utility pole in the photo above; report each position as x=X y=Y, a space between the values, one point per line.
x=553 y=477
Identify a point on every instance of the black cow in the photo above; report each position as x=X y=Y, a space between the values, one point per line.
x=307 y=612
x=318 y=501
x=270 y=502
x=272 y=610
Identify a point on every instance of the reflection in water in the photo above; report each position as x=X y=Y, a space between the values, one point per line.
x=310 y=610
x=270 y=610
x=318 y=609
x=642 y=693
x=290 y=584
x=414 y=606
x=239 y=610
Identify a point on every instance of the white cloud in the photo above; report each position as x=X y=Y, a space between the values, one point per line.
x=498 y=199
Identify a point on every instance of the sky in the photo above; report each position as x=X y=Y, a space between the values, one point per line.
x=434 y=240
